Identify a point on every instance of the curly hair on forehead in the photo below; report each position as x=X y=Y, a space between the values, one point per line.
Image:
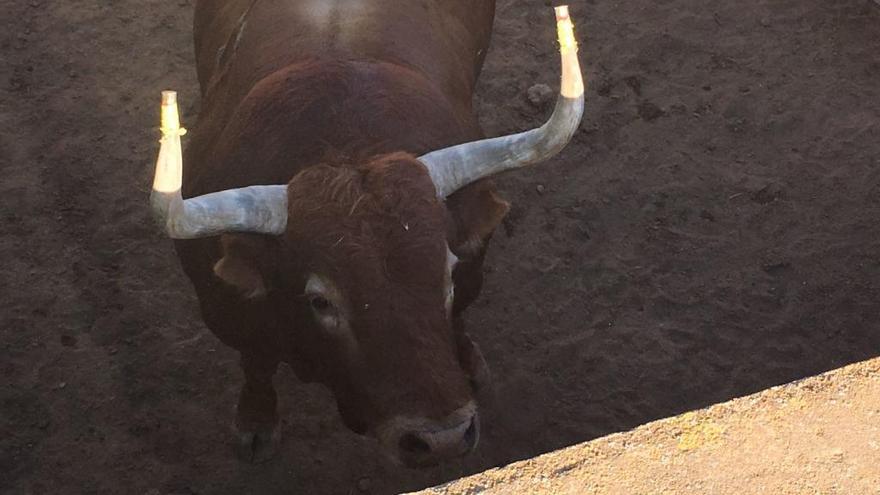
x=386 y=198
x=383 y=215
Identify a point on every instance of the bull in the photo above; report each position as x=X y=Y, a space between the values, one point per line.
x=339 y=206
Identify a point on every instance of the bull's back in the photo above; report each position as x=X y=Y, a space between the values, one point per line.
x=239 y=42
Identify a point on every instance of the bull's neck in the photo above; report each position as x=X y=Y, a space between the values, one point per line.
x=306 y=112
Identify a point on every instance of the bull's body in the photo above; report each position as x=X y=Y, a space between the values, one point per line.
x=290 y=84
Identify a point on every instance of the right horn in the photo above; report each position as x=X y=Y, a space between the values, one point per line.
x=457 y=166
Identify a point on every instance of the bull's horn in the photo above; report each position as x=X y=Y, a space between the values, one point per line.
x=259 y=209
x=457 y=166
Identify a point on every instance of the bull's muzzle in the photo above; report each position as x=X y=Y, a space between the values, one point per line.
x=421 y=442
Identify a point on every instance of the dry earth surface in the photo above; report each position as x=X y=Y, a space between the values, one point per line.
x=820 y=435
x=711 y=231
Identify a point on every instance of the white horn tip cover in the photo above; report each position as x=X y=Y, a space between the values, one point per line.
x=165 y=197
x=169 y=97
x=572 y=83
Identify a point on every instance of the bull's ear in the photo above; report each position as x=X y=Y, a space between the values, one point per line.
x=244 y=257
x=476 y=210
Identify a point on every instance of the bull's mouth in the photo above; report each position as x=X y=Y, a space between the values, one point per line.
x=421 y=442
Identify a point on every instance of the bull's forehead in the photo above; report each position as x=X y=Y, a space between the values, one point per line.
x=362 y=266
x=370 y=226
x=389 y=202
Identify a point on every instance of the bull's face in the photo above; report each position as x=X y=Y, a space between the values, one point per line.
x=363 y=285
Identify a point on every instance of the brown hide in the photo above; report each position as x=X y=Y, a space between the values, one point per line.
x=336 y=97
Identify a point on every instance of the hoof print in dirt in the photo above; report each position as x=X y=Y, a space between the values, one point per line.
x=257 y=447
x=634 y=83
x=540 y=95
x=768 y=194
x=649 y=111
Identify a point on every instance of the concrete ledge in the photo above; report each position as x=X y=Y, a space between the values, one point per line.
x=820 y=435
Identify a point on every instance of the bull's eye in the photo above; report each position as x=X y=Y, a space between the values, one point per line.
x=327 y=304
x=319 y=303
x=325 y=312
x=451 y=261
x=450 y=295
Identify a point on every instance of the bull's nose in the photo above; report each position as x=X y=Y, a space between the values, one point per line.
x=434 y=443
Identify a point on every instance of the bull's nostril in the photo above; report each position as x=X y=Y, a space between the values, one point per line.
x=411 y=444
x=470 y=435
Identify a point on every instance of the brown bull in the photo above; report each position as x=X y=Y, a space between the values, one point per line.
x=338 y=211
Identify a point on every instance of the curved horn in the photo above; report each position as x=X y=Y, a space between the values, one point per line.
x=259 y=209
x=457 y=166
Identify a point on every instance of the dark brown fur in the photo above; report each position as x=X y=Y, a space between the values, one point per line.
x=342 y=125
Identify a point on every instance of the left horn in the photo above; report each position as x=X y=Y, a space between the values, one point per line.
x=258 y=209
x=457 y=166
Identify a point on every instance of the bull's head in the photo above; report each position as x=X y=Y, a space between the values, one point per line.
x=369 y=301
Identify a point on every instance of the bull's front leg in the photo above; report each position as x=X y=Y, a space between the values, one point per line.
x=258 y=434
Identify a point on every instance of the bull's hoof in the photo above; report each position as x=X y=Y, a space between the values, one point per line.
x=259 y=446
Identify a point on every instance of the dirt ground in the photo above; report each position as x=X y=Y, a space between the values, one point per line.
x=711 y=231
x=820 y=435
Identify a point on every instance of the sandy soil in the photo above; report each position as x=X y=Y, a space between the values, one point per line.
x=818 y=436
x=711 y=231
